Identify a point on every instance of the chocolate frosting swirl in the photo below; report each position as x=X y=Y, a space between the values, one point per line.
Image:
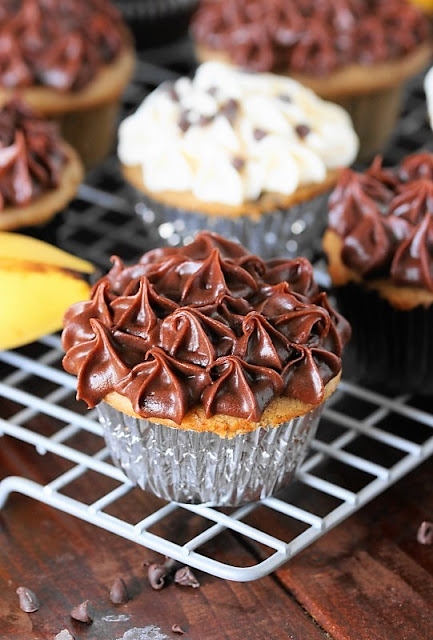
x=31 y=155
x=204 y=325
x=385 y=217
x=56 y=43
x=307 y=36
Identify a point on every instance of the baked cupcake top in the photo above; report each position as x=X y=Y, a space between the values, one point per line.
x=32 y=155
x=206 y=325
x=385 y=220
x=59 y=44
x=307 y=36
x=228 y=136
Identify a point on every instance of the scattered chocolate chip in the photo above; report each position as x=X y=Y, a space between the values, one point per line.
x=302 y=130
x=212 y=91
x=229 y=109
x=83 y=613
x=157 y=573
x=425 y=533
x=64 y=635
x=205 y=120
x=238 y=163
x=284 y=98
x=177 y=629
x=27 y=600
x=259 y=134
x=183 y=123
x=118 y=592
x=186 y=578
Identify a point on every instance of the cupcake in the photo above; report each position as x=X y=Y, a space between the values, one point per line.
x=71 y=61
x=356 y=53
x=209 y=368
x=155 y=23
x=40 y=172
x=249 y=156
x=379 y=248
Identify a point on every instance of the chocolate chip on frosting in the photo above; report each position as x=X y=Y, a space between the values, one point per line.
x=285 y=98
x=28 y=600
x=238 y=163
x=302 y=130
x=230 y=109
x=259 y=134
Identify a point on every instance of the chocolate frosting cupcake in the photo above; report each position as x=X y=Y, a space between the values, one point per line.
x=379 y=245
x=384 y=219
x=61 y=45
x=309 y=37
x=205 y=327
x=32 y=155
x=39 y=171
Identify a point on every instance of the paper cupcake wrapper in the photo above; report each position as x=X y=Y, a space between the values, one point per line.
x=201 y=467
x=281 y=233
x=389 y=348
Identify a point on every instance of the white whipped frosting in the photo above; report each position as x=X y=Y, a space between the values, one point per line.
x=428 y=87
x=231 y=160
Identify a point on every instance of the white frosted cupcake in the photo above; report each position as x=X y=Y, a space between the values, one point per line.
x=250 y=156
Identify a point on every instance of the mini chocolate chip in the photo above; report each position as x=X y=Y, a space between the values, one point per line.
x=118 y=592
x=259 y=134
x=177 y=629
x=425 y=533
x=186 y=578
x=173 y=94
x=64 y=634
x=212 y=91
x=238 y=163
x=284 y=98
x=156 y=575
x=205 y=120
x=27 y=600
x=302 y=130
x=83 y=613
x=229 y=109
x=183 y=123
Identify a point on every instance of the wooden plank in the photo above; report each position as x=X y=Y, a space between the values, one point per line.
x=369 y=579
x=66 y=561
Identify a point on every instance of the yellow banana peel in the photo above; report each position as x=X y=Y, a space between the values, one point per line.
x=427 y=5
x=38 y=282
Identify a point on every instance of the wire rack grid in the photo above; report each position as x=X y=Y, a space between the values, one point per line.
x=363 y=435
x=404 y=452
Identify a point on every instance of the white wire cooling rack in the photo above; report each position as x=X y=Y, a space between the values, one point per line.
x=365 y=442
x=341 y=430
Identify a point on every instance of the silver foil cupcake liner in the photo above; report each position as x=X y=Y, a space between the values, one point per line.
x=281 y=233
x=203 y=468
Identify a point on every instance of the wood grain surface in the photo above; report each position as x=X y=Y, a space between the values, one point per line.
x=368 y=579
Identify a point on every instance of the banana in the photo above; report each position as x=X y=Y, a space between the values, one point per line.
x=38 y=282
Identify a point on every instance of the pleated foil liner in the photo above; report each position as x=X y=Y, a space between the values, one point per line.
x=390 y=349
x=201 y=467
x=280 y=233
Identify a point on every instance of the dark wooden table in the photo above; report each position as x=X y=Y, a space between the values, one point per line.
x=368 y=579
